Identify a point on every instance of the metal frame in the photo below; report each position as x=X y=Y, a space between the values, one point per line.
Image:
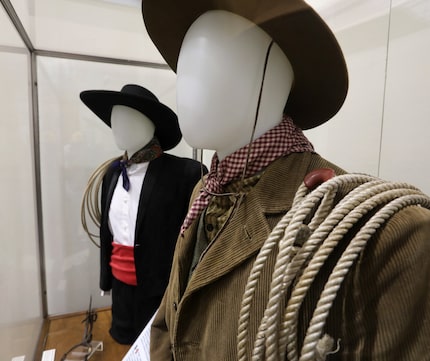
x=34 y=53
x=34 y=114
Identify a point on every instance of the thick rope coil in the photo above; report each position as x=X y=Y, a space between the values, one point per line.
x=328 y=224
x=343 y=221
x=344 y=264
x=90 y=200
x=277 y=236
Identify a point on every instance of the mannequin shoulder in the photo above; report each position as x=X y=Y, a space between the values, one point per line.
x=317 y=161
x=183 y=164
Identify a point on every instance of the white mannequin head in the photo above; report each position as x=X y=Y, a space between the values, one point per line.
x=219 y=73
x=131 y=129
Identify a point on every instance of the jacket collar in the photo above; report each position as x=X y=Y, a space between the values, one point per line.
x=248 y=228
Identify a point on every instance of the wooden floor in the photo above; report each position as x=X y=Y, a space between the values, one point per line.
x=65 y=332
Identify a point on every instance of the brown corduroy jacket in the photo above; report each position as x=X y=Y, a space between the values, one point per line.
x=381 y=312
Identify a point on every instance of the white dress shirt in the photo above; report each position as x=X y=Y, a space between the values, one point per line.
x=124 y=205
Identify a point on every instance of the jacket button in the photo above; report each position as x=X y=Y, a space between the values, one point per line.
x=175 y=306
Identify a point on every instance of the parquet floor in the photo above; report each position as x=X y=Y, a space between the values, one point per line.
x=65 y=332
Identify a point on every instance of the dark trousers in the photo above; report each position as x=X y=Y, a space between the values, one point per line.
x=131 y=311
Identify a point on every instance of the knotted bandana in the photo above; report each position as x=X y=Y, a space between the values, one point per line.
x=279 y=141
x=149 y=152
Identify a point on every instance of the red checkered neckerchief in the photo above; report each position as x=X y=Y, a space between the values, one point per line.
x=279 y=141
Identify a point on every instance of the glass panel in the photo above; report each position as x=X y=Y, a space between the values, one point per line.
x=352 y=138
x=8 y=33
x=110 y=28
x=407 y=109
x=21 y=313
x=74 y=142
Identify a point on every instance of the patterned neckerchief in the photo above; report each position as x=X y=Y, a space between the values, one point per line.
x=284 y=139
x=149 y=152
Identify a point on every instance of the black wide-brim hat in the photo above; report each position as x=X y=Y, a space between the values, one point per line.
x=320 y=73
x=137 y=97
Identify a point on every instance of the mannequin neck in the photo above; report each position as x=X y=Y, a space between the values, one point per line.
x=226 y=150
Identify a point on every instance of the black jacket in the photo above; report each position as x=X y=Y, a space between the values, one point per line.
x=163 y=205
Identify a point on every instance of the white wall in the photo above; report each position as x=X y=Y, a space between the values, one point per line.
x=352 y=138
x=108 y=28
x=383 y=127
x=405 y=145
x=21 y=310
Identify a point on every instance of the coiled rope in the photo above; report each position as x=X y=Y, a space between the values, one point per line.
x=277 y=332
x=91 y=200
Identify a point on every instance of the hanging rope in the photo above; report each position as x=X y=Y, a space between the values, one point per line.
x=318 y=224
x=90 y=200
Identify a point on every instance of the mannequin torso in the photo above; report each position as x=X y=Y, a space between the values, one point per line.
x=140 y=223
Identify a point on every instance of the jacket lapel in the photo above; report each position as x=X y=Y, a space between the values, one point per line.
x=111 y=189
x=152 y=173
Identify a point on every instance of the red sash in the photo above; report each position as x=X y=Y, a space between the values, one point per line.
x=122 y=264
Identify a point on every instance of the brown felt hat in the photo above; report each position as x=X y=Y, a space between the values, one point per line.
x=320 y=73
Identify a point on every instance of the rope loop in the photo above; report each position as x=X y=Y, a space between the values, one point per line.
x=301 y=242
x=91 y=200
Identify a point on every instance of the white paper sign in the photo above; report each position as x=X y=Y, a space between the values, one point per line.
x=139 y=351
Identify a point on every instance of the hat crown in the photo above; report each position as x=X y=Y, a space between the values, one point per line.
x=101 y=102
x=138 y=91
x=320 y=72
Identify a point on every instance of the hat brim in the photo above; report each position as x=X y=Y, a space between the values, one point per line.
x=165 y=120
x=320 y=73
